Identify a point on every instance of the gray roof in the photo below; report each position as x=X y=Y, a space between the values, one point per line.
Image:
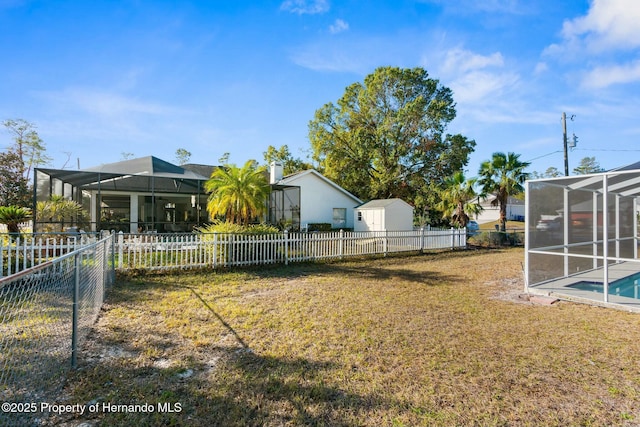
x=151 y=166
x=145 y=174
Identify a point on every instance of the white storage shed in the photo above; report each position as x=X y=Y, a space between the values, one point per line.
x=384 y=215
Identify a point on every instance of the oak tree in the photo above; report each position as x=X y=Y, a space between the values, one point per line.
x=386 y=137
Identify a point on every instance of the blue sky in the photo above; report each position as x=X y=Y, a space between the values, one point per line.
x=146 y=77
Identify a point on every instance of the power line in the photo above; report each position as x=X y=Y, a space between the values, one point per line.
x=583 y=149
x=604 y=149
x=544 y=155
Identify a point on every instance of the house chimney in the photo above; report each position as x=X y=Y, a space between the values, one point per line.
x=276 y=172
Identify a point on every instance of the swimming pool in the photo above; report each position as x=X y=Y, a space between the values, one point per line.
x=625 y=287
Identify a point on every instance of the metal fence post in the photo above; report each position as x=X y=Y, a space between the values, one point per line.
x=112 y=244
x=120 y=249
x=2 y=258
x=76 y=303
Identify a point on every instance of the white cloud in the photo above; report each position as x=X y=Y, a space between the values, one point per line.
x=355 y=55
x=481 y=87
x=476 y=78
x=609 y=24
x=103 y=103
x=336 y=60
x=338 y=26
x=541 y=67
x=601 y=77
x=460 y=60
x=98 y=115
x=607 y=33
x=302 y=7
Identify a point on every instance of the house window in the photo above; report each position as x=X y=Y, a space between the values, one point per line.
x=359 y=216
x=339 y=217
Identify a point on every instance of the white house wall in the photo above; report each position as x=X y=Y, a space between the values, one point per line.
x=492 y=213
x=318 y=198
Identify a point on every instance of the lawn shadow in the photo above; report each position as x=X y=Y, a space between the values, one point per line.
x=242 y=387
x=245 y=389
x=394 y=268
x=268 y=390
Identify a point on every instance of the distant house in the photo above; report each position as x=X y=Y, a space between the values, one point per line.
x=384 y=215
x=491 y=210
x=144 y=194
x=308 y=197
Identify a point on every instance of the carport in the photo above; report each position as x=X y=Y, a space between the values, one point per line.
x=581 y=237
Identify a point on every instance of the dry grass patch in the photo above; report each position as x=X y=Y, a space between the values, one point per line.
x=437 y=339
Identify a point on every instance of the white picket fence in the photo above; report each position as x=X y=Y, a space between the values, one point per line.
x=164 y=251
x=168 y=251
x=20 y=252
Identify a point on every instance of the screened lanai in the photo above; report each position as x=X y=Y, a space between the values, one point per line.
x=139 y=195
x=581 y=236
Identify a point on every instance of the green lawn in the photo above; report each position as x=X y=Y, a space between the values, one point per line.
x=436 y=339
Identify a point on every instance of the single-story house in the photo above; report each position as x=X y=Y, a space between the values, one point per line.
x=151 y=195
x=384 y=215
x=144 y=194
x=308 y=197
x=491 y=210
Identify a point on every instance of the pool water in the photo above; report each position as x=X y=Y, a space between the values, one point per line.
x=625 y=287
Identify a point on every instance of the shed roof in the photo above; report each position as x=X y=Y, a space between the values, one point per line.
x=382 y=203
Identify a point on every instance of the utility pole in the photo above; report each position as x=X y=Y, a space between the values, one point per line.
x=564 y=139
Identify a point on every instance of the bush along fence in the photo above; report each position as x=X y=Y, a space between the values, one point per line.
x=497 y=239
x=46 y=312
x=212 y=250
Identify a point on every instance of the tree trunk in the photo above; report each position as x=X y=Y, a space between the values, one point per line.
x=13 y=227
x=503 y=215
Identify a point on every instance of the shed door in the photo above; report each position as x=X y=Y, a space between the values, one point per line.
x=377 y=224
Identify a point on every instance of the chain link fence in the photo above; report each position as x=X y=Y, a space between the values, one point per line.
x=45 y=314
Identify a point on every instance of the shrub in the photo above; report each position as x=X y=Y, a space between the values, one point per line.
x=497 y=239
x=320 y=226
x=229 y=227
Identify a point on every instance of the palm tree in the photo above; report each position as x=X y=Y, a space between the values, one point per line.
x=13 y=216
x=239 y=194
x=57 y=209
x=503 y=176
x=457 y=199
